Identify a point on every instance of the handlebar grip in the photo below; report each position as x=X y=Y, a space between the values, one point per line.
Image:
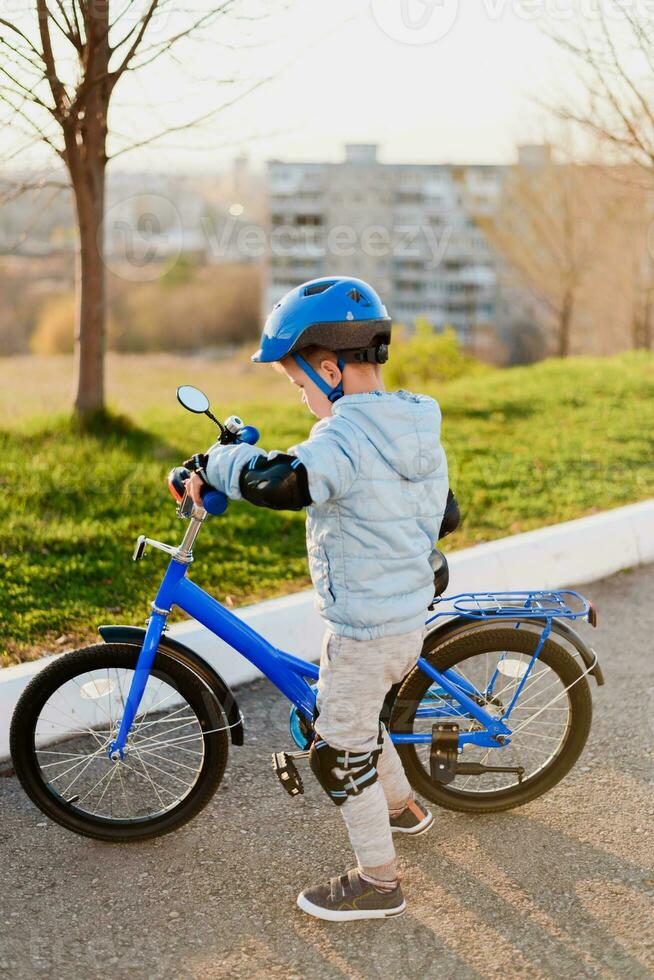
x=248 y=434
x=214 y=502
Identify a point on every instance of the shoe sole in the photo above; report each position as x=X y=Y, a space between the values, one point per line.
x=420 y=828
x=350 y=915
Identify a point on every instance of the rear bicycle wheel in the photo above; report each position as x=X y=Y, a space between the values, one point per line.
x=68 y=716
x=550 y=721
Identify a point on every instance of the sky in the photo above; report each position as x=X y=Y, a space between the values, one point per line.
x=428 y=80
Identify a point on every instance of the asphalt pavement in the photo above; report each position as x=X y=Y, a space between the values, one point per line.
x=563 y=887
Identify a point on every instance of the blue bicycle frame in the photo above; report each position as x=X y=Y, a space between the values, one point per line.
x=294 y=676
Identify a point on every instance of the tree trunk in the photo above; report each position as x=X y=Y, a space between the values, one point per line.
x=565 y=323
x=86 y=157
x=641 y=331
x=90 y=298
x=645 y=339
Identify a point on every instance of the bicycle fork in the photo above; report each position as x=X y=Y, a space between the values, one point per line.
x=156 y=624
x=144 y=663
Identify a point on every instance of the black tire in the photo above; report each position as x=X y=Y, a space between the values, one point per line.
x=176 y=675
x=444 y=652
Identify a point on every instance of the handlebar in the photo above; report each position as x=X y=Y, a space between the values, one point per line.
x=215 y=502
x=248 y=434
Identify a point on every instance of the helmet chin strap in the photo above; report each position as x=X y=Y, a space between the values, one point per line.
x=333 y=394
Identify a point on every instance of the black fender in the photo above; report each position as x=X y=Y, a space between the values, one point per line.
x=460 y=624
x=210 y=677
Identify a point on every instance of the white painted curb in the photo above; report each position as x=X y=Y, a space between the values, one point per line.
x=572 y=553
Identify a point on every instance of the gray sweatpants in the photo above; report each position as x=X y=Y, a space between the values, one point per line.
x=355 y=676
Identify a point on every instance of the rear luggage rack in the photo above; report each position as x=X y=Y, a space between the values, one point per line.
x=536 y=604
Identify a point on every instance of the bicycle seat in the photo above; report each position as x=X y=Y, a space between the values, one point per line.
x=438 y=562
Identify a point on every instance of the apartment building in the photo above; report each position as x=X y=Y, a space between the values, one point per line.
x=409 y=229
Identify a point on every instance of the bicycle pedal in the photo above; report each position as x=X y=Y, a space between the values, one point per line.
x=286 y=772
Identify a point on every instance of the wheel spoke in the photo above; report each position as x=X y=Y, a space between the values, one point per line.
x=146 y=775
x=162 y=759
x=91 y=759
x=111 y=772
x=173 y=762
x=152 y=765
x=165 y=721
x=160 y=735
x=93 y=732
x=541 y=725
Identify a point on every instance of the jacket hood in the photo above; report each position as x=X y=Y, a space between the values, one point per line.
x=404 y=429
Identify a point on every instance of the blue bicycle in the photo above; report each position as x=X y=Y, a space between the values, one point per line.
x=128 y=739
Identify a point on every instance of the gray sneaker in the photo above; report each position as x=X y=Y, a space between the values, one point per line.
x=415 y=819
x=350 y=897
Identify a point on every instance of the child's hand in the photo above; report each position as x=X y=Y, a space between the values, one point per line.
x=194 y=487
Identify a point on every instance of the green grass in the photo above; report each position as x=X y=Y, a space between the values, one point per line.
x=526 y=447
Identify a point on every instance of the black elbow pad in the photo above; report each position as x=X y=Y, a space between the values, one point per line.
x=280 y=483
x=451 y=517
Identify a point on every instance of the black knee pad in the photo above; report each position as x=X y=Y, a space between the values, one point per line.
x=340 y=773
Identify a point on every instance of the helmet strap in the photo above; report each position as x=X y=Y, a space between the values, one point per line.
x=333 y=394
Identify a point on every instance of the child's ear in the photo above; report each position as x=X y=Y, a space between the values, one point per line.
x=330 y=368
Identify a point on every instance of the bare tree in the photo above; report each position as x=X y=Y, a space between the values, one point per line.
x=614 y=53
x=575 y=236
x=545 y=228
x=60 y=64
x=641 y=246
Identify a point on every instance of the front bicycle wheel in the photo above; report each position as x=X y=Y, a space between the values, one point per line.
x=68 y=716
x=550 y=720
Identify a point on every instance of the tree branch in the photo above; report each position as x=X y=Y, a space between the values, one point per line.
x=70 y=32
x=198 y=121
x=620 y=71
x=161 y=47
x=57 y=87
x=142 y=28
x=24 y=37
x=21 y=187
x=618 y=111
x=19 y=111
x=27 y=93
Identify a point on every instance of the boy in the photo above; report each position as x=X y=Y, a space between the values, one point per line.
x=373 y=476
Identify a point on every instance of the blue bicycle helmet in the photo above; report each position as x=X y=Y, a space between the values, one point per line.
x=340 y=313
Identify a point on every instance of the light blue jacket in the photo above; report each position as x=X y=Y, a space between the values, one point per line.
x=378 y=481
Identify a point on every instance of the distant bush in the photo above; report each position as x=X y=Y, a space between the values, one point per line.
x=188 y=309
x=55 y=326
x=182 y=271
x=24 y=283
x=427 y=356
